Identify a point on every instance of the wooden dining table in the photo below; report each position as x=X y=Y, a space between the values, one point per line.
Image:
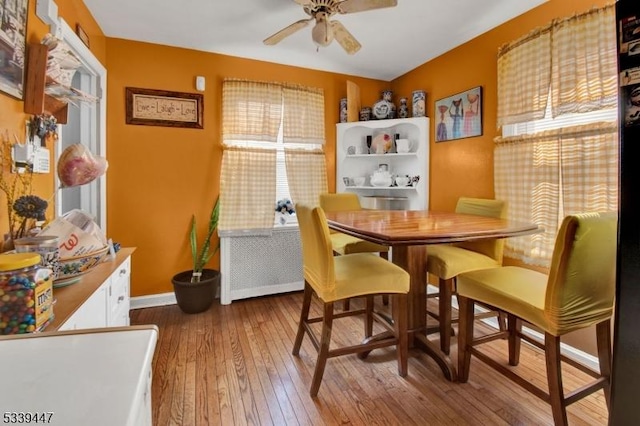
x=409 y=233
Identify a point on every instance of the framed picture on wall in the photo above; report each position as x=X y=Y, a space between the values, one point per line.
x=163 y=108
x=13 y=31
x=459 y=116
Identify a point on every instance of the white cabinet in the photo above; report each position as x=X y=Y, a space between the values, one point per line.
x=354 y=160
x=118 y=295
x=107 y=305
x=92 y=313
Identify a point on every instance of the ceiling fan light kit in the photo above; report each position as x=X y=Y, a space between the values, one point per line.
x=325 y=30
x=322 y=34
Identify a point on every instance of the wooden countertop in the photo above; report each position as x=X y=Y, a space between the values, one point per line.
x=68 y=299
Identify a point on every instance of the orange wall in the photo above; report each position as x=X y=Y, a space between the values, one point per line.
x=465 y=167
x=159 y=176
x=12 y=117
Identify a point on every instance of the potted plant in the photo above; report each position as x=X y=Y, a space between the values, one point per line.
x=195 y=289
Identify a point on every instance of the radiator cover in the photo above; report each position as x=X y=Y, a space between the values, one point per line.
x=260 y=265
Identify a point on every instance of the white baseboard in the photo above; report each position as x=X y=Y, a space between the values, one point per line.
x=264 y=291
x=153 y=300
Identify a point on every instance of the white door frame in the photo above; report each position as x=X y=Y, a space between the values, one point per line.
x=93 y=126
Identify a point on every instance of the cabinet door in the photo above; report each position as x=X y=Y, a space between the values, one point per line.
x=142 y=406
x=118 y=297
x=92 y=313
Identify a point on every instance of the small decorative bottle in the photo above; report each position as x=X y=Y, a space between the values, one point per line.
x=369 y=140
x=418 y=98
x=343 y=110
x=403 y=110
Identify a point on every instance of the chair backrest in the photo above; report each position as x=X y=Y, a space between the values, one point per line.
x=317 y=253
x=339 y=202
x=582 y=279
x=483 y=207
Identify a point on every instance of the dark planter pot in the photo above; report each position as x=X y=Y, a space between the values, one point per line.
x=197 y=297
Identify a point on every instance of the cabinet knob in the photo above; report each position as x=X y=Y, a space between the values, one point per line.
x=120 y=299
x=123 y=272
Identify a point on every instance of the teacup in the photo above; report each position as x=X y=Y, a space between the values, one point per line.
x=359 y=180
x=402 y=180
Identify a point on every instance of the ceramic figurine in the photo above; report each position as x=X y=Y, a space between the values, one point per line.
x=403 y=109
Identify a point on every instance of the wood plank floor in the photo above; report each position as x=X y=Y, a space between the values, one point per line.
x=232 y=365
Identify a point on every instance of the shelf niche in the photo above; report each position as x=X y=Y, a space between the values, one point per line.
x=36 y=101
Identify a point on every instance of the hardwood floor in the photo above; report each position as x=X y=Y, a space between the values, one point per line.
x=232 y=365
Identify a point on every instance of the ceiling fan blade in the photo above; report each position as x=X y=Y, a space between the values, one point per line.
x=351 y=6
x=303 y=2
x=287 y=31
x=344 y=37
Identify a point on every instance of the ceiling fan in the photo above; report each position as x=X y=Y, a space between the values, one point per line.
x=326 y=30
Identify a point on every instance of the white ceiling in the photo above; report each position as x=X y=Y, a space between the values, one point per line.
x=394 y=40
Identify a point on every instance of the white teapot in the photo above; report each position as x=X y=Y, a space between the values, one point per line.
x=381 y=178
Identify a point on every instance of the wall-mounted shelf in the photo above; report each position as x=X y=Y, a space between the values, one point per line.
x=382 y=188
x=36 y=101
x=382 y=156
x=352 y=137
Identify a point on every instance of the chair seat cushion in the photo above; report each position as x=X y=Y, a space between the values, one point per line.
x=366 y=273
x=519 y=291
x=446 y=261
x=346 y=244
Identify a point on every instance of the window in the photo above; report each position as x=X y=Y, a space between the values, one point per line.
x=558 y=153
x=273 y=149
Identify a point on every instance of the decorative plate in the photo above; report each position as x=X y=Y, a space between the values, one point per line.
x=381 y=109
x=381 y=143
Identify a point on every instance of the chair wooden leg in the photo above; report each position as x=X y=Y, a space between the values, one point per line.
x=323 y=352
x=401 y=321
x=465 y=337
x=385 y=297
x=554 y=378
x=502 y=321
x=444 y=313
x=368 y=316
x=304 y=317
x=515 y=327
x=603 y=338
x=346 y=305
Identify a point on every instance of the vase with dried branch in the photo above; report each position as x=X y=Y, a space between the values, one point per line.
x=24 y=210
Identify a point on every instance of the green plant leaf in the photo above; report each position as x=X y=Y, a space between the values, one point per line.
x=194 y=242
x=201 y=257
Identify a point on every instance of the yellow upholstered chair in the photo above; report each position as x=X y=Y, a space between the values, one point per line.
x=334 y=278
x=447 y=261
x=343 y=243
x=347 y=244
x=577 y=293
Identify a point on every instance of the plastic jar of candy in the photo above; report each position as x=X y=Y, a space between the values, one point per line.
x=26 y=294
x=46 y=247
